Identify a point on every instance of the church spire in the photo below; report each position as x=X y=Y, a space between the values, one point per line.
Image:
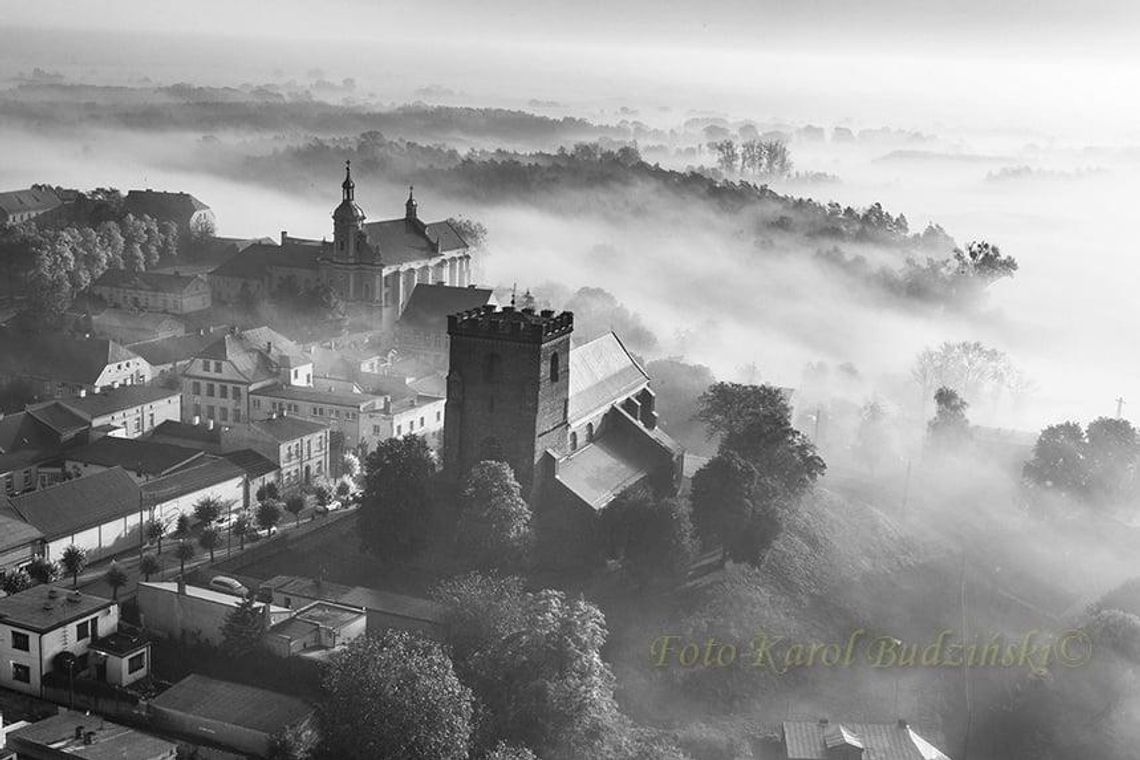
x=348 y=185
x=410 y=205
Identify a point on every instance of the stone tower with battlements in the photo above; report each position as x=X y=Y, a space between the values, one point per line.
x=508 y=389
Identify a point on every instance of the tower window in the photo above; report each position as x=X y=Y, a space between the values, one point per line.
x=554 y=368
x=573 y=441
x=590 y=432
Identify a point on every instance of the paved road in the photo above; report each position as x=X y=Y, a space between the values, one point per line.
x=93 y=579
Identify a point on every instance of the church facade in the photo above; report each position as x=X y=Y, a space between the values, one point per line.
x=372 y=266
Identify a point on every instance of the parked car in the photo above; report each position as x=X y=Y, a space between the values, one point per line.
x=227 y=520
x=228 y=585
x=331 y=506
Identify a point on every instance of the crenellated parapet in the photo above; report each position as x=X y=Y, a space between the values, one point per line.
x=508 y=323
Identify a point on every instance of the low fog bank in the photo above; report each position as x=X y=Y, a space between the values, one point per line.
x=696 y=277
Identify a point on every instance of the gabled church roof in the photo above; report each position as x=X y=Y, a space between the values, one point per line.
x=401 y=241
x=601 y=372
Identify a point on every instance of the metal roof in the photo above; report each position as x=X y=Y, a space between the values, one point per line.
x=602 y=372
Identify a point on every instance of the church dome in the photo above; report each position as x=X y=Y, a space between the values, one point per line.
x=348 y=211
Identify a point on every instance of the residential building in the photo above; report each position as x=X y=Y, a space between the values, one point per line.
x=172 y=292
x=129 y=411
x=27 y=443
x=81 y=735
x=297 y=450
x=259 y=471
x=217 y=383
x=316 y=629
x=130 y=326
x=385 y=610
x=59 y=366
x=189 y=213
x=347 y=359
x=299 y=447
x=372 y=266
x=421 y=331
x=169 y=356
x=42 y=623
x=406 y=412
x=141 y=459
x=237 y=717
x=343 y=411
x=24 y=205
x=19 y=541
x=177 y=610
x=824 y=740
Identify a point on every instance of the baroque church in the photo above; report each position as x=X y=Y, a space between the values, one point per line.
x=372 y=266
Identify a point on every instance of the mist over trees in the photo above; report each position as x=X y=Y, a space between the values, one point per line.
x=1095 y=465
x=762 y=467
x=60 y=254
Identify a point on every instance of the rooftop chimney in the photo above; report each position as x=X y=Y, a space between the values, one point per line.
x=284 y=235
x=89 y=737
x=823 y=721
x=903 y=724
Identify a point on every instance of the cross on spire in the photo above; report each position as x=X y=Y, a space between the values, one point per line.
x=348 y=185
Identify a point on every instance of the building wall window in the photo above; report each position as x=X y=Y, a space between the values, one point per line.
x=218 y=367
x=21 y=673
x=573 y=441
x=136 y=663
x=210 y=390
x=237 y=415
x=237 y=393
x=20 y=641
x=83 y=630
x=196 y=388
x=554 y=367
x=205 y=365
x=224 y=391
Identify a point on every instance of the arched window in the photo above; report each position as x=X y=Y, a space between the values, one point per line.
x=491 y=367
x=590 y=432
x=573 y=441
x=554 y=368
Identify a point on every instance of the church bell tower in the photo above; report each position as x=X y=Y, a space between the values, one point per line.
x=348 y=221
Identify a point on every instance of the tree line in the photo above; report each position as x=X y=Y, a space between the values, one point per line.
x=760 y=158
